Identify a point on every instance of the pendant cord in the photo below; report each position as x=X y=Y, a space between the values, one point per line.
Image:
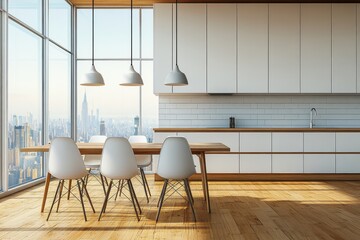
x=176 y=32
x=93 y=39
x=131 y=34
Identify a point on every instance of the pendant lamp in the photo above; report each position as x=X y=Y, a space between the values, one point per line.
x=131 y=78
x=93 y=77
x=176 y=77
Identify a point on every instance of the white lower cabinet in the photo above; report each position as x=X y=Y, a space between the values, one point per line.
x=319 y=163
x=287 y=163
x=255 y=142
x=255 y=163
x=347 y=163
x=219 y=163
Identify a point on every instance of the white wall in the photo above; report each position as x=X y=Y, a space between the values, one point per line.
x=258 y=111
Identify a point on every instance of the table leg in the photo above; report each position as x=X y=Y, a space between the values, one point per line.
x=47 y=184
x=202 y=176
x=204 y=180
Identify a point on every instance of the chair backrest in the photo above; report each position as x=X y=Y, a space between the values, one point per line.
x=138 y=139
x=118 y=159
x=176 y=161
x=97 y=139
x=65 y=161
x=142 y=160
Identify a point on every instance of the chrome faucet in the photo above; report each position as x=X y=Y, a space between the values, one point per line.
x=313 y=110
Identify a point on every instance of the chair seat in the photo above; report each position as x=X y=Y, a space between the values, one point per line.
x=92 y=163
x=143 y=162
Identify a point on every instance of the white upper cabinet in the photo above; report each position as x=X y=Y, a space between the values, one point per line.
x=284 y=48
x=358 y=47
x=253 y=49
x=163 y=45
x=192 y=47
x=316 y=48
x=344 y=48
x=221 y=48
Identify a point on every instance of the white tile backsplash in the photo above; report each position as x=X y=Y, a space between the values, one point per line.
x=258 y=111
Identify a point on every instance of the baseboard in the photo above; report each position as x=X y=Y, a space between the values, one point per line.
x=273 y=177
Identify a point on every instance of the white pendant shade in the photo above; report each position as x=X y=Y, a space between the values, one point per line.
x=176 y=78
x=93 y=78
x=132 y=78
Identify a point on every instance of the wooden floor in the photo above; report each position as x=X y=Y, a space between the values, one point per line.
x=241 y=210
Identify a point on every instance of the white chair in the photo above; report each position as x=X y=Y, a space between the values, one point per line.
x=93 y=161
x=176 y=163
x=118 y=163
x=142 y=161
x=66 y=163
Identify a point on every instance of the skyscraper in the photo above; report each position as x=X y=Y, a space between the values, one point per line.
x=102 y=128
x=84 y=118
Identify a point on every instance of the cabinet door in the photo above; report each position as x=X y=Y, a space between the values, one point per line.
x=319 y=142
x=284 y=48
x=344 y=48
x=255 y=142
x=316 y=48
x=221 y=48
x=287 y=142
x=319 y=163
x=252 y=48
x=192 y=47
x=219 y=163
x=358 y=47
x=347 y=142
x=163 y=45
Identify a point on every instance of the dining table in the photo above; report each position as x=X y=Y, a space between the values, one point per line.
x=198 y=149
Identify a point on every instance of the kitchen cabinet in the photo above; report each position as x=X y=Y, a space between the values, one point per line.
x=163 y=46
x=217 y=163
x=255 y=142
x=284 y=48
x=192 y=47
x=358 y=46
x=344 y=48
x=319 y=142
x=252 y=37
x=316 y=48
x=347 y=142
x=287 y=163
x=221 y=48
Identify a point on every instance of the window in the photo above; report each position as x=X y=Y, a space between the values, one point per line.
x=27 y=11
x=114 y=110
x=60 y=22
x=24 y=104
x=59 y=93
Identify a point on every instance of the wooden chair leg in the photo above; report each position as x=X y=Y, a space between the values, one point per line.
x=144 y=183
x=69 y=189
x=187 y=190
x=105 y=200
x=132 y=199
x=61 y=188
x=52 y=205
x=81 y=200
x=161 y=199
x=87 y=195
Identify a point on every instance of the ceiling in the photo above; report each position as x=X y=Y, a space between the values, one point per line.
x=109 y=3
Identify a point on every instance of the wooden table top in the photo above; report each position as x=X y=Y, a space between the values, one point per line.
x=138 y=148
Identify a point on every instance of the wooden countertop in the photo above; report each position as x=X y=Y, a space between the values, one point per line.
x=256 y=129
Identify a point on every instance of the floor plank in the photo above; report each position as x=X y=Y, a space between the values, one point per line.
x=240 y=210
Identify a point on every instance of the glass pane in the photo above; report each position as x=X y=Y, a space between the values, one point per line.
x=110 y=42
x=28 y=11
x=109 y=110
x=147 y=33
x=59 y=92
x=60 y=22
x=150 y=101
x=24 y=104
